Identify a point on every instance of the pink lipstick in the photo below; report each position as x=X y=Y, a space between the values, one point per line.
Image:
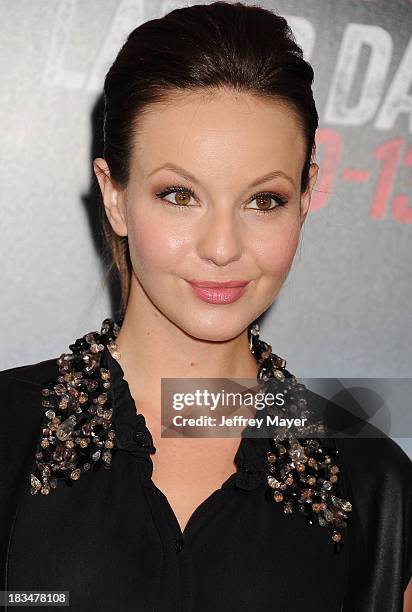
x=216 y=292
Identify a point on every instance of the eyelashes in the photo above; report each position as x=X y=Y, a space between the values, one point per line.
x=280 y=199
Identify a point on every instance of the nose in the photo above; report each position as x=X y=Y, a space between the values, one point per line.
x=220 y=239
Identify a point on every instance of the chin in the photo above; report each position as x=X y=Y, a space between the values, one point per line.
x=217 y=329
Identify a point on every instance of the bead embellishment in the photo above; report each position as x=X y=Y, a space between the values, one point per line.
x=302 y=474
x=78 y=434
x=304 y=478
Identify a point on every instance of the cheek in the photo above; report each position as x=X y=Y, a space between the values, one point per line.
x=276 y=252
x=152 y=245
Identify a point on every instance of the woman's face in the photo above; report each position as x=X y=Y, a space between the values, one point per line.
x=226 y=222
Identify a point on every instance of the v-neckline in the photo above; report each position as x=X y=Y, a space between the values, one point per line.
x=133 y=435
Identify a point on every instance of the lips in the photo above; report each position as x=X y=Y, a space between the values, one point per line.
x=224 y=292
x=215 y=284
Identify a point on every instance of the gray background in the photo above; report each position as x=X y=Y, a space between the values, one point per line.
x=345 y=309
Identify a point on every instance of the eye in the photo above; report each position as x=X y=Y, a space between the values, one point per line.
x=182 y=197
x=264 y=201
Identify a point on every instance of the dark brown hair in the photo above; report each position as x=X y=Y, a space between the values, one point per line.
x=202 y=47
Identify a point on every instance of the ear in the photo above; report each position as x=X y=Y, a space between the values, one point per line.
x=113 y=198
x=306 y=196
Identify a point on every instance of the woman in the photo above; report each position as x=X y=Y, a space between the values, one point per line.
x=206 y=179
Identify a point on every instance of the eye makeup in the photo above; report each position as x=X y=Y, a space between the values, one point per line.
x=280 y=199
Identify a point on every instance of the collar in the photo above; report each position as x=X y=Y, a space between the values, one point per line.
x=96 y=415
x=133 y=435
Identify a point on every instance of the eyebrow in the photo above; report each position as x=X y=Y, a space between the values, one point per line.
x=190 y=177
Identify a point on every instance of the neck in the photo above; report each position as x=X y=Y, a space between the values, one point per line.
x=152 y=347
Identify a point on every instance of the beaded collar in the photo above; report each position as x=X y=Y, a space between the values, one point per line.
x=84 y=426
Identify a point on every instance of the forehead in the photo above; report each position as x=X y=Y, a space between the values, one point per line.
x=222 y=131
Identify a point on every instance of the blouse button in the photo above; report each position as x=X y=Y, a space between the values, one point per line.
x=139 y=437
x=178 y=545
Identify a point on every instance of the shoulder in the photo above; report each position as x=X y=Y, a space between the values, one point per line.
x=19 y=382
x=363 y=447
x=377 y=472
x=21 y=409
x=20 y=391
x=34 y=374
x=378 y=458
x=21 y=416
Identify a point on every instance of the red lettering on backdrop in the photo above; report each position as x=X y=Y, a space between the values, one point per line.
x=401 y=209
x=331 y=142
x=389 y=152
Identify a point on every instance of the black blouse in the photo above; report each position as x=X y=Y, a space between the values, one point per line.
x=112 y=539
